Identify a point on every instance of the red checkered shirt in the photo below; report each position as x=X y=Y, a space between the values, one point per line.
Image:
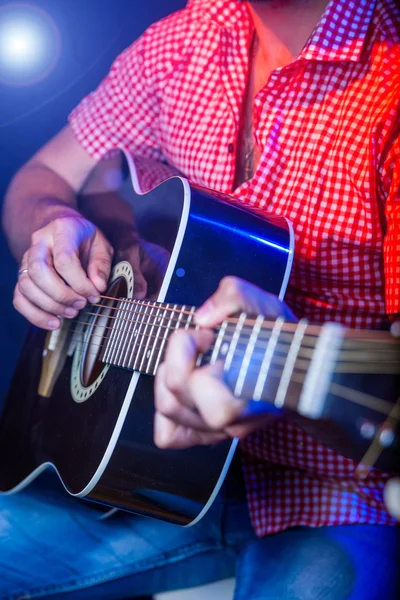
x=328 y=128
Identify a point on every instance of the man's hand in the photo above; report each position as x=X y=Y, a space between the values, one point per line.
x=392 y=497
x=68 y=263
x=194 y=406
x=149 y=263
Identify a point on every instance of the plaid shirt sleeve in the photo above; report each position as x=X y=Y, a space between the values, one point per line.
x=392 y=238
x=122 y=111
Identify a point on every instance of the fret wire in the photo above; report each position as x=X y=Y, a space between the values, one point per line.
x=189 y=318
x=247 y=356
x=149 y=336
x=290 y=363
x=267 y=360
x=132 y=338
x=234 y=341
x=130 y=348
x=140 y=336
x=163 y=340
x=178 y=322
x=218 y=342
x=159 y=329
x=123 y=334
x=119 y=337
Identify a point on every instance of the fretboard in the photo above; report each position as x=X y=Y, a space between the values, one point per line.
x=139 y=333
x=289 y=364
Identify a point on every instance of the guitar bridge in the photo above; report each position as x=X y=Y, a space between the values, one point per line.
x=54 y=355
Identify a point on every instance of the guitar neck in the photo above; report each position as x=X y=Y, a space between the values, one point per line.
x=289 y=364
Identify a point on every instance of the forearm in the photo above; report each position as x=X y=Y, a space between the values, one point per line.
x=36 y=196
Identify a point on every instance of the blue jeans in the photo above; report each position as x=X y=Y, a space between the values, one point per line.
x=52 y=545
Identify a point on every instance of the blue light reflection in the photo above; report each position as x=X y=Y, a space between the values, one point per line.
x=241 y=232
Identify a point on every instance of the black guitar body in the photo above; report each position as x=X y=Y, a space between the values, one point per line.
x=102 y=447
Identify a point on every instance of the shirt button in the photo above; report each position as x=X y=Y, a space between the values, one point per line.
x=231 y=148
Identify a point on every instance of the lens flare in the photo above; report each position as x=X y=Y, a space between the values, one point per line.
x=29 y=44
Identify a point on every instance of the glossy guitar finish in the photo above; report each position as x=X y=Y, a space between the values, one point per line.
x=103 y=448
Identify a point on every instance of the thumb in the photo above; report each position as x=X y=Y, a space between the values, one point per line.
x=392 y=497
x=99 y=261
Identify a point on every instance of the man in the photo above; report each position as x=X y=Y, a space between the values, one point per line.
x=293 y=106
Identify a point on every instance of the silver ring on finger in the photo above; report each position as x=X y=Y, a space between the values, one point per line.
x=22 y=271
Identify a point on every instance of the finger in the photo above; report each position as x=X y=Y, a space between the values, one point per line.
x=392 y=497
x=180 y=359
x=168 y=434
x=140 y=286
x=168 y=405
x=41 y=300
x=245 y=426
x=68 y=238
x=204 y=386
x=99 y=262
x=68 y=265
x=395 y=329
x=46 y=278
x=35 y=315
x=236 y=295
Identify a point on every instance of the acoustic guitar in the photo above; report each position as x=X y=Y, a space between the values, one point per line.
x=81 y=399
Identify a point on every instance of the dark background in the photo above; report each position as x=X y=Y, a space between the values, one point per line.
x=93 y=33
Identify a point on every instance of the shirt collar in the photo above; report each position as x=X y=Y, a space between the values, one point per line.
x=341 y=32
x=227 y=14
x=339 y=36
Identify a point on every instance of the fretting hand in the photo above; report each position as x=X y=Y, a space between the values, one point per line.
x=193 y=405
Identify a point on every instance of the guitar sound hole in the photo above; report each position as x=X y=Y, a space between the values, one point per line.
x=102 y=323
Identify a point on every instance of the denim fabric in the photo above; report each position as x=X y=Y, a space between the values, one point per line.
x=55 y=546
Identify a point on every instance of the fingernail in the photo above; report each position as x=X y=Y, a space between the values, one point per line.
x=53 y=324
x=79 y=304
x=70 y=312
x=94 y=299
x=395 y=329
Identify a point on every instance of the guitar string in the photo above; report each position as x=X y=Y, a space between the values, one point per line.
x=375 y=403
x=347 y=351
x=391 y=343
x=299 y=375
x=298 y=369
x=372 y=357
x=372 y=335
